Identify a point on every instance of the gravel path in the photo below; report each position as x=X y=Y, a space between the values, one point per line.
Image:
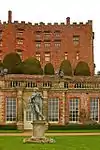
x=47 y=134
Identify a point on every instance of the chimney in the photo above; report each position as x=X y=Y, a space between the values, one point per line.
x=9 y=16
x=68 y=20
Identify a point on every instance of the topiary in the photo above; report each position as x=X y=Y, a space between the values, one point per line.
x=66 y=68
x=10 y=62
x=49 y=69
x=82 y=69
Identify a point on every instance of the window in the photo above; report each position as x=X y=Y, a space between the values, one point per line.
x=57 y=34
x=57 y=45
x=20 y=41
x=66 y=55
x=47 y=57
x=0 y=34
x=31 y=84
x=0 y=43
x=65 y=84
x=38 y=56
x=19 y=52
x=47 y=45
x=77 y=56
x=28 y=115
x=38 y=34
x=74 y=110
x=19 y=33
x=94 y=109
x=0 y=55
x=76 y=39
x=38 y=45
x=47 y=84
x=47 y=34
x=10 y=109
x=53 y=110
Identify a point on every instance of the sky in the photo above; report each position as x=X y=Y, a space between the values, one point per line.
x=36 y=11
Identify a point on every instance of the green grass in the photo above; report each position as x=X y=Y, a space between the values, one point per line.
x=73 y=131
x=62 y=143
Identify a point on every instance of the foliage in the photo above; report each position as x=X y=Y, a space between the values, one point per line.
x=49 y=69
x=66 y=68
x=31 y=66
x=82 y=69
x=10 y=62
x=1 y=65
x=75 y=127
x=98 y=73
x=8 y=127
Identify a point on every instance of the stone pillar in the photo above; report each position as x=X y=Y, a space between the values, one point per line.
x=45 y=104
x=20 y=111
x=2 y=108
x=62 y=109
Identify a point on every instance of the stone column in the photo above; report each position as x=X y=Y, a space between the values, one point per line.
x=45 y=104
x=2 y=108
x=62 y=109
x=20 y=111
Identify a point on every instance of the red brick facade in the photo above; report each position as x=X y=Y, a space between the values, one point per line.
x=58 y=41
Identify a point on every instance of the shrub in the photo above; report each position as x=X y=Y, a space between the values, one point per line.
x=8 y=127
x=66 y=68
x=75 y=127
x=49 y=69
x=10 y=62
x=31 y=66
x=82 y=69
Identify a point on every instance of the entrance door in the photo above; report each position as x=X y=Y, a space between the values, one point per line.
x=28 y=119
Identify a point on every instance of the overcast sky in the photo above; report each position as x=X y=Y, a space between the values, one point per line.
x=56 y=11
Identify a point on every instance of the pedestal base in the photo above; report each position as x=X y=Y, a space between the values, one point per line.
x=39 y=129
x=38 y=140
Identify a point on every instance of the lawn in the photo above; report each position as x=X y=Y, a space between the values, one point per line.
x=62 y=143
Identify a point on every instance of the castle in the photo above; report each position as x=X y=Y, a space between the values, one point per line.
x=65 y=99
x=49 y=43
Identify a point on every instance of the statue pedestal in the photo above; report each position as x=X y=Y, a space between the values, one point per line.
x=39 y=129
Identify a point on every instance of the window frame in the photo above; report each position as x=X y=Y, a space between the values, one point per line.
x=13 y=99
x=74 y=110
x=50 y=110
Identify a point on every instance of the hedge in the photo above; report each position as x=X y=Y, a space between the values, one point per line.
x=75 y=127
x=8 y=127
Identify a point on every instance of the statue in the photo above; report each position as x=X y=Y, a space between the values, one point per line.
x=39 y=124
x=36 y=105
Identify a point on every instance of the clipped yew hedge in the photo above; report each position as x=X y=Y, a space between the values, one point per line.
x=31 y=66
x=10 y=62
x=82 y=69
x=75 y=127
x=66 y=68
x=49 y=69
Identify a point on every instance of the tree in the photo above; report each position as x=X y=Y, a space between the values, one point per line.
x=11 y=61
x=66 y=68
x=98 y=73
x=1 y=65
x=82 y=69
x=49 y=69
x=31 y=66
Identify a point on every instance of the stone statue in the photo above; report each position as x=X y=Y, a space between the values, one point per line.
x=36 y=105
